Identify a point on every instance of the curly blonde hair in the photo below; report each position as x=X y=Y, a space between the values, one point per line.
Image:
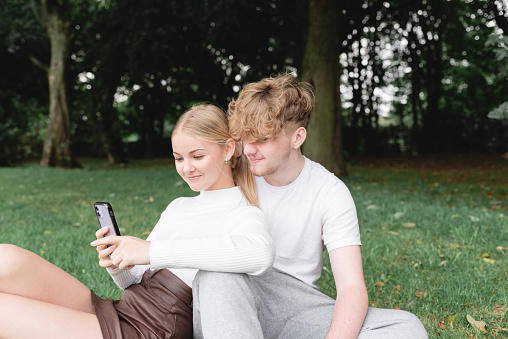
x=264 y=108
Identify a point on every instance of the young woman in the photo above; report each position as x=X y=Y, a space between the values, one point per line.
x=218 y=230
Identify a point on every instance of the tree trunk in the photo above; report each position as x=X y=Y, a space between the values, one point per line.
x=321 y=69
x=107 y=128
x=56 y=148
x=431 y=122
x=107 y=124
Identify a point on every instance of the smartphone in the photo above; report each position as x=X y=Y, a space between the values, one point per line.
x=106 y=218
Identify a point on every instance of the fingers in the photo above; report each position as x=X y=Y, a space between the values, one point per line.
x=118 y=259
x=111 y=240
x=101 y=231
x=106 y=252
x=100 y=234
x=105 y=256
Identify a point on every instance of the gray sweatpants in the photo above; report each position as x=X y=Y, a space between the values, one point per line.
x=276 y=305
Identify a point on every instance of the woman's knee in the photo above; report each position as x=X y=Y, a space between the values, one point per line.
x=13 y=259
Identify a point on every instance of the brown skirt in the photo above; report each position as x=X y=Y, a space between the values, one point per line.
x=160 y=306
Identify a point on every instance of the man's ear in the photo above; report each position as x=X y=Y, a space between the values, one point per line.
x=230 y=148
x=299 y=137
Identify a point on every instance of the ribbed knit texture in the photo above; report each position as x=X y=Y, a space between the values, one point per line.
x=214 y=231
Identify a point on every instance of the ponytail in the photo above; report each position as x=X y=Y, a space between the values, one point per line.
x=243 y=176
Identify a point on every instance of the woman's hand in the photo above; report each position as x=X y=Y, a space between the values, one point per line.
x=104 y=251
x=125 y=252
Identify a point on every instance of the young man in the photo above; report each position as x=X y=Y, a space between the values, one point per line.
x=307 y=208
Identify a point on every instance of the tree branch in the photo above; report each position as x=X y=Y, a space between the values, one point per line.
x=39 y=63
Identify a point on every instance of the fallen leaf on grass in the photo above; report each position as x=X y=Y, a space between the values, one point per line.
x=396 y=307
x=478 y=324
x=501 y=249
x=441 y=324
x=379 y=283
x=496 y=331
x=490 y=261
x=421 y=294
x=473 y=218
x=409 y=224
x=499 y=310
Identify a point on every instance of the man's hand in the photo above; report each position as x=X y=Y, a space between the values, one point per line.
x=124 y=252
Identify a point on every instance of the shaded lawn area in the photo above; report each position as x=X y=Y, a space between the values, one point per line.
x=434 y=230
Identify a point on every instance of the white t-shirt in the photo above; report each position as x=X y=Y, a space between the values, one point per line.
x=314 y=211
x=214 y=231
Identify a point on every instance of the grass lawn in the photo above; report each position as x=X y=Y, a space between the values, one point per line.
x=435 y=236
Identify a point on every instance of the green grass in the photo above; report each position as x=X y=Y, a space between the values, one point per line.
x=429 y=237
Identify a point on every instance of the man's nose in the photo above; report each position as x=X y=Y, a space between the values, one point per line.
x=248 y=148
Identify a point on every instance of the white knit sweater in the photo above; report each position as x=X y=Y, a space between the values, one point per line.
x=214 y=231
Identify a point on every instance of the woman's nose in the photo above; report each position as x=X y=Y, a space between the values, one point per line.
x=188 y=166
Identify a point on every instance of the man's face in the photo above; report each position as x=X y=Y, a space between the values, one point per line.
x=270 y=156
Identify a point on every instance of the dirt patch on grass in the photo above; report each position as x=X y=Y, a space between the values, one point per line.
x=484 y=170
x=486 y=162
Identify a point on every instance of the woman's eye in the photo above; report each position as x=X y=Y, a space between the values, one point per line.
x=178 y=159
x=198 y=156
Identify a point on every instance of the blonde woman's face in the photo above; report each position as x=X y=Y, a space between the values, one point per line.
x=200 y=163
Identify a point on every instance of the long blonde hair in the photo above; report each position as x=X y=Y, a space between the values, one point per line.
x=209 y=123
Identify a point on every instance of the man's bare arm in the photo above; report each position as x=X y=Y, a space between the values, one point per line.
x=352 y=300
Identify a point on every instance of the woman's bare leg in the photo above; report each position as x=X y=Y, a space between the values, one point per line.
x=22 y=318
x=28 y=275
